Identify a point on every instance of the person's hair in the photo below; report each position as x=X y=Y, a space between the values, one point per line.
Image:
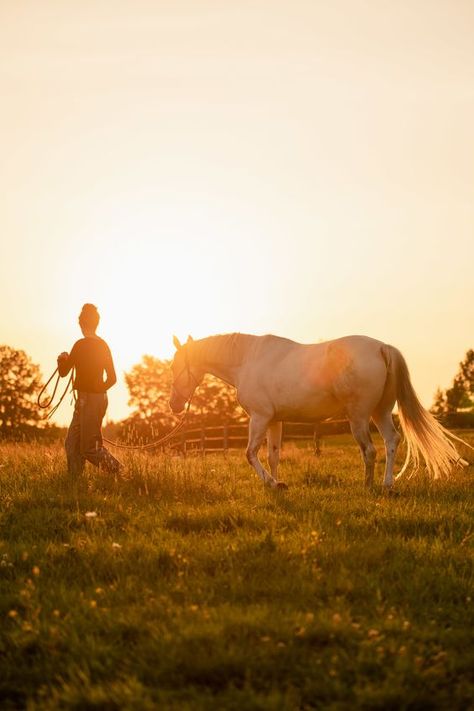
x=89 y=317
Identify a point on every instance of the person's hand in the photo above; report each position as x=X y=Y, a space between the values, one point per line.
x=63 y=356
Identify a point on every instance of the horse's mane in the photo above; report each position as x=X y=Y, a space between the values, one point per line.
x=229 y=348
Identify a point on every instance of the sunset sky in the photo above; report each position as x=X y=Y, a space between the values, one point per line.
x=298 y=168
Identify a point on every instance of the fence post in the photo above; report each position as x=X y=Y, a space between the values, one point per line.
x=317 y=440
x=183 y=443
x=203 y=440
x=225 y=437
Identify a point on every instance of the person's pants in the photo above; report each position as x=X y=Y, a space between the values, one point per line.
x=84 y=436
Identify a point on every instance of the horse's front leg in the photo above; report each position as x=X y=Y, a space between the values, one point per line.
x=257 y=430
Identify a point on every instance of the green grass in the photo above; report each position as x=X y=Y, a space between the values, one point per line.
x=194 y=588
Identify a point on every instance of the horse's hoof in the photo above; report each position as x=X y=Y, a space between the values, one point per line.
x=281 y=485
x=390 y=491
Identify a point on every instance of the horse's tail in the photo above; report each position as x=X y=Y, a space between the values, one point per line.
x=426 y=438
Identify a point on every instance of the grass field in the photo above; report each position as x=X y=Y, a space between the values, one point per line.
x=189 y=586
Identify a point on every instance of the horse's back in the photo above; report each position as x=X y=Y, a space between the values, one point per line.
x=354 y=352
x=313 y=380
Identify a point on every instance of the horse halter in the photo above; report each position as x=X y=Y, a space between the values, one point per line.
x=191 y=376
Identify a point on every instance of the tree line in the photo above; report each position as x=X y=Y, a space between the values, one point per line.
x=455 y=406
x=149 y=383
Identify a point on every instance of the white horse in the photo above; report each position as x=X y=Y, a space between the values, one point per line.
x=280 y=380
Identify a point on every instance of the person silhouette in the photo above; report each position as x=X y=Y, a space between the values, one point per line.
x=90 y=357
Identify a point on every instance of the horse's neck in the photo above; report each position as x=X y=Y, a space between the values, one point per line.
x=225 y=361
x=227 y=373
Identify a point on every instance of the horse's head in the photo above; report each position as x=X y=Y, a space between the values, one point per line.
x=186 y=375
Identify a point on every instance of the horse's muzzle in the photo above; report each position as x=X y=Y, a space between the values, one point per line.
x=177 y=404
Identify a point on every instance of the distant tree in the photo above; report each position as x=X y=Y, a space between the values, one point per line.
x=466 y=373
x=439 y=404
x=215 y=402
x=20 y=383
x=460 y=396
x=149 y=385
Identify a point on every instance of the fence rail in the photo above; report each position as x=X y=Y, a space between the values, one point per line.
x=223 y=438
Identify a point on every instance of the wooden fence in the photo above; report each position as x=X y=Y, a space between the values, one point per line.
x=222 y=438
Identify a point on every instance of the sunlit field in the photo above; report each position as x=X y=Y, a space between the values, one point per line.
x=189 y=586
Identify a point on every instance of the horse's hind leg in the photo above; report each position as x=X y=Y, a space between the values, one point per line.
x=391 y=438
x=360 y=430
x=273 y=446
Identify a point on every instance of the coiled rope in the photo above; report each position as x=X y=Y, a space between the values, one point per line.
x=49 y=401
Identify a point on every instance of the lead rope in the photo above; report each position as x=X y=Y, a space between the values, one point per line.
x=151 y=445
x=158 y=442
x=49 y=401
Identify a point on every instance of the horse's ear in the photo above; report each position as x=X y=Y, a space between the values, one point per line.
x=176 y=342
x=190 y=339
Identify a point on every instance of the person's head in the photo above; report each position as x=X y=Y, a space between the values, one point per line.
x=89 y=318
